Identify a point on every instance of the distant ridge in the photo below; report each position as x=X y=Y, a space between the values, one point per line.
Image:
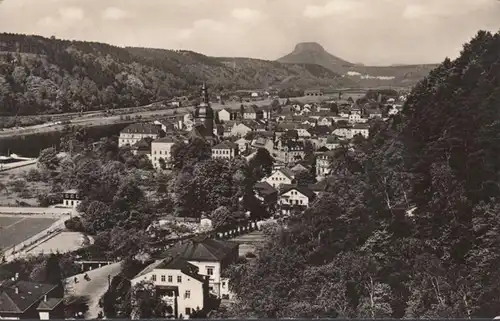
x=396 y=75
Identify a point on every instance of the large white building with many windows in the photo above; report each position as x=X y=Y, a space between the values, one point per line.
x=179 y=284
x=135 y=132
x=211 y=257
x=225 y=150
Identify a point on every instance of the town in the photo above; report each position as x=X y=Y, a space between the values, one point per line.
x=282 y=151
x=245 y=159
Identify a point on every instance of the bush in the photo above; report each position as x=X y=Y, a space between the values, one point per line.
x=250 y=255
x=33 y=175
x=74 y=224
x=25 y=193
x=45 y=200
x=18 y=186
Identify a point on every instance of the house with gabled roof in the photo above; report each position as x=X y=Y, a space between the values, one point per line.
x=299 y=168
x=282 y=176
x=227 y=114
x=211 y=257
x=295 y=198
x=178 y=282
x=225 y=150
x=360 y=129
x=240 y=130
x=31 y=300
x=135 y=132
x=262 y=142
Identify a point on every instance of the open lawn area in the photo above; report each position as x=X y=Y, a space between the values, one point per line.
x=16 y=229
x=63 y=242
x=15 y=191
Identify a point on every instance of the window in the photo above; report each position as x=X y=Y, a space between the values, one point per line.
x=163 y=278
x=179 y=279
x=153 y=277
x=188 y=311
x=170 y=279
x=223 y=284
x=187 y=295
x=210 y=270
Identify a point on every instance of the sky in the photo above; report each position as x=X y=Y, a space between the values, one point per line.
x=372 y=32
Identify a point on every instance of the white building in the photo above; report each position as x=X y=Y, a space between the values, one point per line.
x=323 y=164
x=360 y=129
x=240 y=130
x=71 y=198
x=344 y=132
x=354 y=118
x=162 y=149
x=225 y=150
x=212 y=257
x=135 y=132
x=179 y=284
x=295 y=198
x=227 y=114
x=224 y=115
x=303 y=133
x=325 y=121
x=282 y=176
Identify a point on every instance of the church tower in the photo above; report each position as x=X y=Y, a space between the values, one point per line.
x=204 y=114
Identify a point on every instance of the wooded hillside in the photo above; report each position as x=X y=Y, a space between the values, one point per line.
x=356 y=253
x=40 y=75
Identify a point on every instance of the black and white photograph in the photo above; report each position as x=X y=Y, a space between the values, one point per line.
x=249 y=159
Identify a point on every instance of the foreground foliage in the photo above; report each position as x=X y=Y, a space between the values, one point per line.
x=356 y=253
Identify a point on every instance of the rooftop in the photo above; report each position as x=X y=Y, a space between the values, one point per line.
x=226 y=145
x=304 y=190
x=173 y=263
x=141 y=128
x=203 y=250
x=28 y=293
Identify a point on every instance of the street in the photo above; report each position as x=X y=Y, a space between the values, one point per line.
x=95 y=288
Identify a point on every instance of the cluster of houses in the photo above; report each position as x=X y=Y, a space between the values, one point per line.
x=190 y=275
x=289 y=132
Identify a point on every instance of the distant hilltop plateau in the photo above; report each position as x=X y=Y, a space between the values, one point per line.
x=364 y=76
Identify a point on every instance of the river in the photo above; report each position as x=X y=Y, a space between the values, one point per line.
x=31 y=145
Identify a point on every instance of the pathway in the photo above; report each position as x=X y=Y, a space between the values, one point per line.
x=35 y=210
x=93 y=289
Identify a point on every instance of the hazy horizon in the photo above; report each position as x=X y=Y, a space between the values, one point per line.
x=371 y=32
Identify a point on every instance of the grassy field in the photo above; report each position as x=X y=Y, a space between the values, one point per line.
x=16 y=229
x=25 y=194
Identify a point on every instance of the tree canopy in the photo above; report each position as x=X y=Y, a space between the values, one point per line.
x=359 y=251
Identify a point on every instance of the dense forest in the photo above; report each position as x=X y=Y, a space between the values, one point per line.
x=359 y=252
x=40 y=75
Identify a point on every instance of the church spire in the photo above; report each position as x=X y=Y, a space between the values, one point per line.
x=204 y=94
